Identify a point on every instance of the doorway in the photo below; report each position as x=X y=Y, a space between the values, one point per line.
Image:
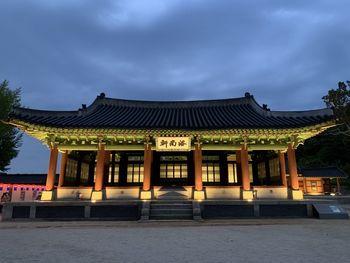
x=173 y=169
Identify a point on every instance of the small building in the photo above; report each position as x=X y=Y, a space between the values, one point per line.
x=211 y=149
x=21 y=187
x=322 y=180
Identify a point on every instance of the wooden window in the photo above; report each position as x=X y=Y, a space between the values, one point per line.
x=232 y=167
x=135 y=173
x=173 y=167
x=261 y=170
x=211 y=169
x=71 y=171
x=113 y=171
x=134 y=169
x=274 y=167
x=232 y=173
x=250 y=168
x=314 y=186
x=173 y=170
x=84 y=173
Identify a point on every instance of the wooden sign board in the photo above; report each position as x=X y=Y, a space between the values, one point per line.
x=173 y=144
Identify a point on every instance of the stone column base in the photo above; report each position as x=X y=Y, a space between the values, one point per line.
x=47 y=195
x=146 y=195
x=247 y=195
x=198 y=195
x=97 y=195
x=296 y=194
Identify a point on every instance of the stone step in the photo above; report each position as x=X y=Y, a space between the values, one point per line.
x=170 y=188
x=171 y=206
x=173 y=196
x=171 y=202
x=171 y=211
x=172 y=217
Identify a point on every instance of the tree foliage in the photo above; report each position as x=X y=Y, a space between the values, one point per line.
x=339 y=100
x=331 y=148
x=326 y=149
x=10 y=137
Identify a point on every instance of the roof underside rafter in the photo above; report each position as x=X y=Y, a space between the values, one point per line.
x=128 y=139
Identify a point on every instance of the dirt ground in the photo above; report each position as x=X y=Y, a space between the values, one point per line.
x=240 y=240
x=253 y=240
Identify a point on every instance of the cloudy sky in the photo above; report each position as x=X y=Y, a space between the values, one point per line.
x=63 y=53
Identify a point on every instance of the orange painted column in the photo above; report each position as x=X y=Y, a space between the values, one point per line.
x=292 y=165
x=245 y=168
x=51 y=174
x=147 y=165
x=198 y=167
x=282 y=168
x=100 y=165
x=63 y=168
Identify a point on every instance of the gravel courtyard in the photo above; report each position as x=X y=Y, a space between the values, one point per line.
x=289 y=240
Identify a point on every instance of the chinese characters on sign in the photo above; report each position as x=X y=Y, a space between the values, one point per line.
x=173 y=143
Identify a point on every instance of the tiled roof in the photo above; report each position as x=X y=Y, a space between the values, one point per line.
x=327 y=172
x=187 y=115
x=24 y=178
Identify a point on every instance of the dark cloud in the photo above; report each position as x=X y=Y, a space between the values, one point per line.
x=64 y=53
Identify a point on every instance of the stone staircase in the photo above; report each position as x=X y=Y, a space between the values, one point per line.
x=172 y=203
x=171 y=210
x=172 y=193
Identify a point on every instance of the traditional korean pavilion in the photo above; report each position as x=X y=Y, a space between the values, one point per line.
x=209 y=149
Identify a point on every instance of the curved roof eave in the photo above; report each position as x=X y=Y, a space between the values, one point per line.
x=244 y=112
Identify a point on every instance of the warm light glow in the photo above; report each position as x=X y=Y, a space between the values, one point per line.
x=93 y=201
x=250 y=200
x=332 y=194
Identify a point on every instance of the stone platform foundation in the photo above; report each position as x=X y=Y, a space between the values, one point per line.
x=141 y=210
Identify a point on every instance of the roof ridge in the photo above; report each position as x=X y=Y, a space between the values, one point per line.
x=303 y=113
x=25 y=110
x=165 y=103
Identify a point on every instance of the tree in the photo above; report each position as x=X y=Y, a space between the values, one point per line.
x=332 y=147
x=339 y=100
x=326 y=149
x=10 y=137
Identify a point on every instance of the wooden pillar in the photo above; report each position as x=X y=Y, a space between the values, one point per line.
x=282 y=161
x=100 y=165
x=147 y=165
x=293 y=171
x=198 y=167
x=245 y=168
x=338 y=185
x=63 y=168
x=51 y=174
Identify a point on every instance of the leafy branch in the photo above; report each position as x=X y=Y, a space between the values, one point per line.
x=339 y=100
